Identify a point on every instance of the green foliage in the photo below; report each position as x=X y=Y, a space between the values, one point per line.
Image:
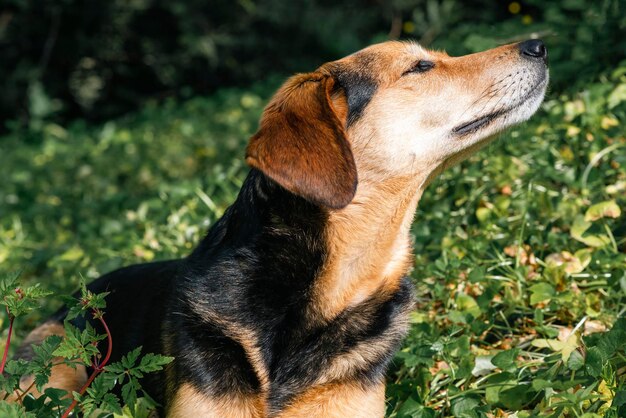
x=102 y=58
x=9 y=410
x=162 y=176
x=88 y=301
x=75 y=348
x=19 y=300
x=78 y=345
x=520 y=258
x=520 y=266
x=125 y=373
x=129 y=370
x=583 y=37
x=99 y=59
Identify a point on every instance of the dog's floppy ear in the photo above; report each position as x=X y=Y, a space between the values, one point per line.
x=301 y=143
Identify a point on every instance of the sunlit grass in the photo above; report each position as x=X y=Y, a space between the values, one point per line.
x=515 y=288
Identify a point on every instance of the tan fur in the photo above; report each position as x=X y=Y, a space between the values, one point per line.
x=189 y=403
x=62 y=376
x=368 y=256
x=338 y=400
x=299 y=123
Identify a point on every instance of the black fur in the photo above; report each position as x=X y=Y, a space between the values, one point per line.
x=359 y=87
x=254 y=270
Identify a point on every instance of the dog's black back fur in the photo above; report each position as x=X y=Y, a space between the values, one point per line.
x=255 y=270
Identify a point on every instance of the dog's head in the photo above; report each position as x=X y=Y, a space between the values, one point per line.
x=392 y=110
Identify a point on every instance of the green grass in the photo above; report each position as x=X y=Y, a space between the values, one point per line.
x=516 y=289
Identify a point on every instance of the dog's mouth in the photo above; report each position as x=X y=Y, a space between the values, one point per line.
x=476 y=124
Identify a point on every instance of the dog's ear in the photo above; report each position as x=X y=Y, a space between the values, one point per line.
x=301 y=143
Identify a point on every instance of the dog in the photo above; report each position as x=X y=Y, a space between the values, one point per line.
x=295 y=301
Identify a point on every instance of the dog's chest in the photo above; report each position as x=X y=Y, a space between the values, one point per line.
x=283 y=359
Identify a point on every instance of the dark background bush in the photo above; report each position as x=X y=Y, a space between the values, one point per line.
x=96 y=59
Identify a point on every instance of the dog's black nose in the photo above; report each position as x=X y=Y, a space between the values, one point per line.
x=533 y=48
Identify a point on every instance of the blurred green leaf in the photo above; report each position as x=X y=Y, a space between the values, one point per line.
x=608 y=209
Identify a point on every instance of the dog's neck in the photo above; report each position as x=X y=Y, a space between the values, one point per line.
x=336 y=258
x=282 y=232
x=369 y=243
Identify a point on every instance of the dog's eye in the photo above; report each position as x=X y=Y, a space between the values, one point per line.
x=420 y=66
